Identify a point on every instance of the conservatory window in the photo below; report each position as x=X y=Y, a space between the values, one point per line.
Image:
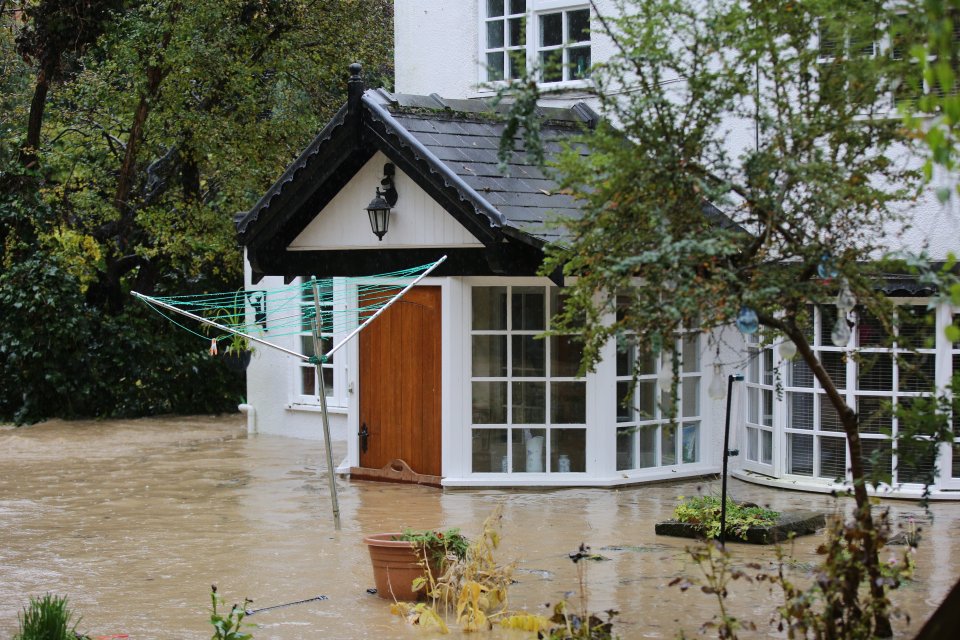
x=652 y=429
x=876 y=373
x=528 y=407
x=555 y=36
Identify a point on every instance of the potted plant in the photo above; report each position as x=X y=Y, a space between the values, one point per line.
x=237 y=355
x=401 y=560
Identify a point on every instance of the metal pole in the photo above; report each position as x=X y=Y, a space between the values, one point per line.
x=318 y=350
x=733 y=377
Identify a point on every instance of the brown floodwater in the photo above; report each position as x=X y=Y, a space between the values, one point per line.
x=133 y=520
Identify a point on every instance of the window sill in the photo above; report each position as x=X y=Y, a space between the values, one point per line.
x=485 y=88
x=315 y=408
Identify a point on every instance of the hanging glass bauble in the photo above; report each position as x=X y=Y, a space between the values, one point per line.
x=718 y=385
x=787 y=349
x=840 y=335
x=827 y=269
x=846 y=301
x=747 y=321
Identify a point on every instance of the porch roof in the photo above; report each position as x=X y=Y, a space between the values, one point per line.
x=449 y=148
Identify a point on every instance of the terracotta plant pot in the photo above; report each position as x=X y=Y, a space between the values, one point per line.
x=396 y=564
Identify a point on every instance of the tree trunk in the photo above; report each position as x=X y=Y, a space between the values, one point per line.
x=28 y=153
x=851 y=427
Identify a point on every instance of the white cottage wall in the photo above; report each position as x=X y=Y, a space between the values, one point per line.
x=271 y=384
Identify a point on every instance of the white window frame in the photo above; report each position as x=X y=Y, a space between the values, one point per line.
x=946 y=358
x=660 y=421
x=531 y=48
x=510 y=379
x=336 y=396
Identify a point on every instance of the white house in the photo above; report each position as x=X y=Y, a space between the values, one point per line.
x=454 y=380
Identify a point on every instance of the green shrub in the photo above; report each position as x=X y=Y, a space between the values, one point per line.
x=46 y=618
x=704 y=511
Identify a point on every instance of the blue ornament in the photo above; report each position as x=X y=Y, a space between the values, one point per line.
x=826 y=269
x=747 y=321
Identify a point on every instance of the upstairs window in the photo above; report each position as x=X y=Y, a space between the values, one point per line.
x=518 y=33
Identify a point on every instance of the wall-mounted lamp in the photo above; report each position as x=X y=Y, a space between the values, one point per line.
x=379 y=208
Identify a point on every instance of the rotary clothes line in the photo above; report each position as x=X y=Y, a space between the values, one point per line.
x=332 y=306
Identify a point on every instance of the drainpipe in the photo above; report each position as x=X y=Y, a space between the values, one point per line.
x=251 y=417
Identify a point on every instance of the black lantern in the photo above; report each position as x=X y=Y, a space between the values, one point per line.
x=379 y=208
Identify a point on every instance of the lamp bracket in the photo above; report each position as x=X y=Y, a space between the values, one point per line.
x=389 y=190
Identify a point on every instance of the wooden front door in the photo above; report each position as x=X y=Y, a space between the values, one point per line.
x=400 y=384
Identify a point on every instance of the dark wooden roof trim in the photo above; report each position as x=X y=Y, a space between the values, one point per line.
x=280 y=191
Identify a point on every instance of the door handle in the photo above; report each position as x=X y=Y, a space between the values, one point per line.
x=364 y=434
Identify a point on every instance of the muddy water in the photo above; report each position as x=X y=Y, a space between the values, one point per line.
x=134 y=520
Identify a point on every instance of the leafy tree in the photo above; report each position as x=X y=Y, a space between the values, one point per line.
x=140 y=127
x=731 y=104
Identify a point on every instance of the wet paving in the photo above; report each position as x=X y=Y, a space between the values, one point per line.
x=133 y=520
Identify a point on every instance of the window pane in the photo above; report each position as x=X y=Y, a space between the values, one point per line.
x=766 y=447
x=877 y=462
x=489 y=307
x=489 y=356
x=767 y=409
x=568 y=450
x=551 y=29
x=306 y=346
x=800 y=374
x=489 y=403
x=800 y=454
x=518 y=64
x=308 y=381
x=668 y=444
x=626 y=437
x=568 y=402
x=915 y=461
x=529 y=450
x=578 y=26
x=915 y=327
x=916 y=371
x=874 y=414
x=799 y=410
x=753 y=366
x=691 y=397
x=495 y=34
x=551 y=63
x=328 y=380
x=518 y=6
x=691 y=437
x=517 y=32
x=529 y=359
x=835 y=364
x=767 y=358
x=494 y=8
x=579 y=58
x=490 y=451
x=870 y=331
x=528 y=309
x=690 y=353
x=625 y=403
x=626 y=356
x=529 y=406
x=647 y=399
x=875 y=372
x=753 y=444
x=833 y=458
x=494 y=68
x=753 y=405
x=647 y=443
x=829 y=418
x=565 y=354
